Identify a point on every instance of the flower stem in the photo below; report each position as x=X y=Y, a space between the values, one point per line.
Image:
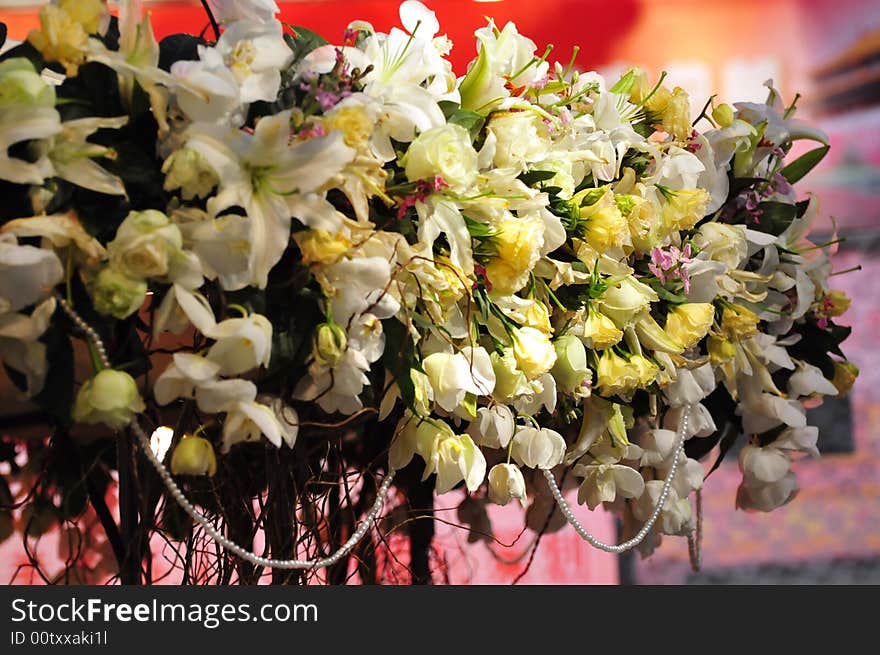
x=214 y=25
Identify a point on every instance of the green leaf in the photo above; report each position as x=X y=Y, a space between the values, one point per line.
x=804 y=164
x=399 y=357
x=625 y=83
x=469 y=120
x=534 y=177
x=775 y=217
x=303 y=41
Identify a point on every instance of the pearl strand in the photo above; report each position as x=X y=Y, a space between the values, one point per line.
x=646 y=528
x=233 y=547
x=200 y=518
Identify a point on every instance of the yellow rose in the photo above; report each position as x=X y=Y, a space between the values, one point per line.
x=739 y=322
x=845 y=374
x=321 y=247
x=641 y=218
x=688 y=323
x=615 y=375
x=646 y=371
x=683 y=209
x=604 y=225
x=517 y=244
x=88 y=13
x=60 y=39
x=533 y=351
x=600 y=331
x=676 y=115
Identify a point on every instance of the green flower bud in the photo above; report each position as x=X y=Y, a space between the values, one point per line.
x=723 y=115
x=111 y=398
x=329 y=344
x=117 y=294
x=194 y=456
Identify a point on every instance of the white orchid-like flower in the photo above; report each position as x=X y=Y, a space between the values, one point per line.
x=604 y=482
x=453 y=376
x=541 y=448
x=20 y=123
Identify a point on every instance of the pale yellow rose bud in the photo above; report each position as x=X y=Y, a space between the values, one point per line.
x=615 y=375
x=845 y=374
x=117 y=294
x=506 y=482
x=723 y=115
x=534 y=353
x=570 y=370
x=194 y=456
x=688 y=323
x=645 y=370
x=676 y=115
x=111 y=397
x=604 y=224
x=329 y=344
x=146 y=245
x=600 y=331
x=509 y=380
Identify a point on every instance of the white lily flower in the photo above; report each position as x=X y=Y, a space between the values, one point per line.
x=260 y=171
x=215 y=396
x=59 y=230
x=25 y=123
x=206 y=90
x=73 y=156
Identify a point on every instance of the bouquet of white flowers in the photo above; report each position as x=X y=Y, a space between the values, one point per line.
x=518 y=280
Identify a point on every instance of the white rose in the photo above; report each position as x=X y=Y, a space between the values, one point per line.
x=188 y=170
x=723 y=243
x=520 y=138
x=111 y=397
x=538 y=448
x=146 y=245
x=505 y=483
x=446 y=151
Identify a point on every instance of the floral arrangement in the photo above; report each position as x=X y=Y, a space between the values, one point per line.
x=324 y=263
